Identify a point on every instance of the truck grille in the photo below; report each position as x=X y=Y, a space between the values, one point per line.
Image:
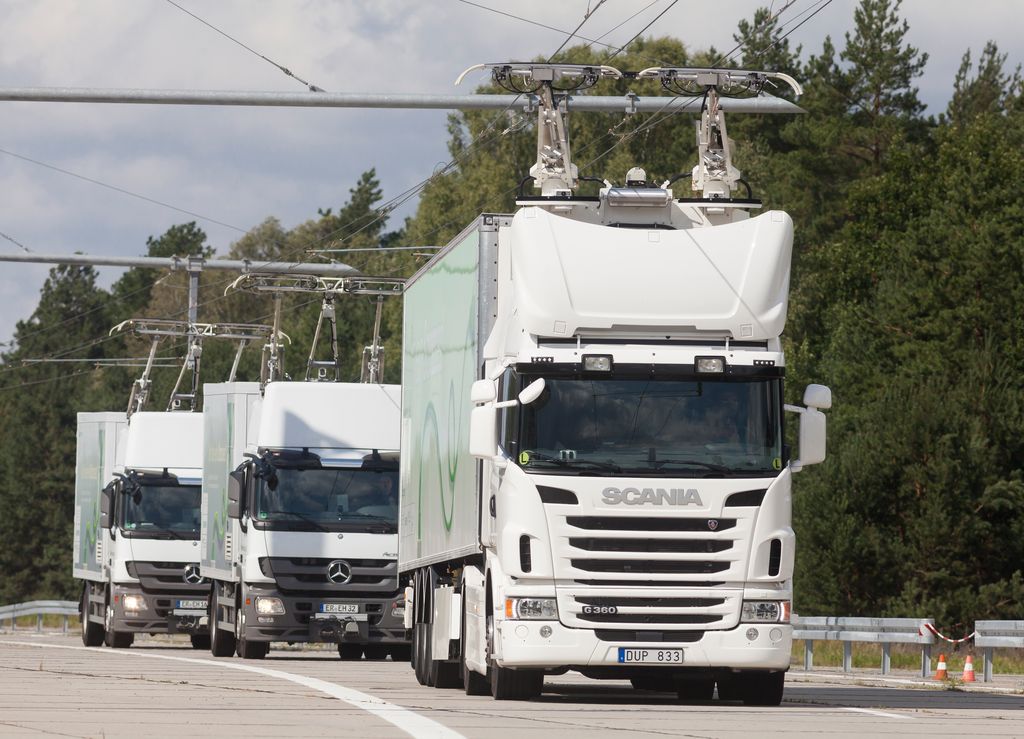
x=683 y=566
x=165 y=578
x=370 y=577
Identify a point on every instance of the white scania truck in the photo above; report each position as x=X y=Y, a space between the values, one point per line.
x=300 y=511
x=618 y=501
x=137 y=526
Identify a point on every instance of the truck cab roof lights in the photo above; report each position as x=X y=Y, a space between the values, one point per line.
x=709 y=365
x=597 y=363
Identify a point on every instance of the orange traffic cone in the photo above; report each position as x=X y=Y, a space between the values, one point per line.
x=940 y=671
x=968 y=670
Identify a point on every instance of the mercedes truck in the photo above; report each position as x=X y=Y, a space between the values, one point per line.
x=137 y=494
x=300 y=510
x=594 y=472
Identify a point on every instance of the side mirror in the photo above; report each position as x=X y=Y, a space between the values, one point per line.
x=236 y=493
x=483 y=391
x=818 y=396
x=812 y=438
x=483 y=432
x=106 y=506
x=532 y=391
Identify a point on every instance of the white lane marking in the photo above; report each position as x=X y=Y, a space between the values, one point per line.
x=408 y=721
x=883 y=714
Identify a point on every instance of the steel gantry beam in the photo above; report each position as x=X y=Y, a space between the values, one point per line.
x=592 y=103
x=189 y=264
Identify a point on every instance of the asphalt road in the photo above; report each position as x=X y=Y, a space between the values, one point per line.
x=52 y=686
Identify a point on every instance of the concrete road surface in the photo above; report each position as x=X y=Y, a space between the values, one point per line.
x=52 y=686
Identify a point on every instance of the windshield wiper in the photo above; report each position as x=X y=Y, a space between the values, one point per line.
x=153 y=529
x=304 y=517
x=370 y=518
x=574 y=462
x=659 y=463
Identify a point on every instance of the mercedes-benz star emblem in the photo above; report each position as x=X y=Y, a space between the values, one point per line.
x=339 y=572
x=192 y=576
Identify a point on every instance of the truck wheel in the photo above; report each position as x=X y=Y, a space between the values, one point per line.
x=200 y=641
x=729 y=688
x=695 y=690
x=92 y=633
x=472 y=682
x=763 y=688
x=513 y=685
x=375 y=652
x=350 y=652
x=400 y=652
x=243 y=647
x=418 y=658
x=222 y=641
x=115 y=639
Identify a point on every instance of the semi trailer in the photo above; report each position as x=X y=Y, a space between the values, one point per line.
x=594 y=472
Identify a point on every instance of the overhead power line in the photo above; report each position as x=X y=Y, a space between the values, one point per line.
x=285 y=70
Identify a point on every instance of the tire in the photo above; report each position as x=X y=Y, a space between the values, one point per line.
x=350 y=652
x=115 y=639
x=222 y=641
x=513 y=685
x=400 y=652
x=729 y=688
x=243 y=647
x=200 y=641
x=375 y=652
x=92 y=633
x=695 y=690
x=763 y=688
x=417 y=654
x=472 y=682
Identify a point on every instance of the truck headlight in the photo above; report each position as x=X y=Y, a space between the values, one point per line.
x=398 y=608
x=268 y=606
x=133 y=602
x=531 y=608
x=765 y=611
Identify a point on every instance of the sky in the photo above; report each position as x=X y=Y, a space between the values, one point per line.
x=231 y=168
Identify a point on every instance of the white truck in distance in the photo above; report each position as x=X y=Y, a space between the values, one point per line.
x=141 y=567
x=300 y=514
x=619 y=501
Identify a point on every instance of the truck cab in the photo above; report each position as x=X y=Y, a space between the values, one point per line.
x=150 y=513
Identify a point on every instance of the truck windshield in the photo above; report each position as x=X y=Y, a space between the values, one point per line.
x=162 y=511
x=654 y=428
x=331 y=499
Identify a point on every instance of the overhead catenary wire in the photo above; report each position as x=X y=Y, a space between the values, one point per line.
x=285 y=70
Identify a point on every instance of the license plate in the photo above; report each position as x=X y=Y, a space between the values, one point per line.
x=339 y=608
x=650 y=656
x=192 y=605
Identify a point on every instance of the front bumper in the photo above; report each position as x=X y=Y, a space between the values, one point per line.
x=519 y=644
x=303 y=621
x=160 y=613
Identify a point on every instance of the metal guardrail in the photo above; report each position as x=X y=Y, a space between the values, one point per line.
x=884 y=631
x=991 y=634
x=38 y=608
